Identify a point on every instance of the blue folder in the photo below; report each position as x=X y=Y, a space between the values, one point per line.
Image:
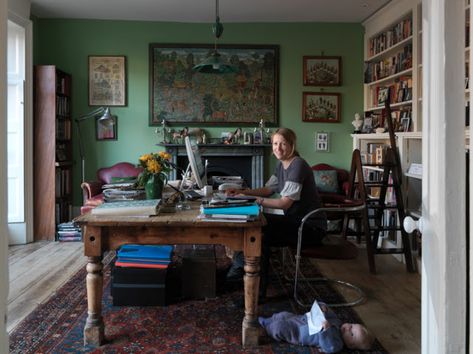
x=145 y=252
x=243 y=210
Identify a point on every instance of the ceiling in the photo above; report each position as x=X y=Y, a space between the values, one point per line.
x=204 y=10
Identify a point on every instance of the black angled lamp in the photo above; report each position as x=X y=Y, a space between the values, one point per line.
x=105 y=119
x=214 y=63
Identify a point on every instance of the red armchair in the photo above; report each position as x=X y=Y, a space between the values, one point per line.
x=92 y=191
x=333 y=195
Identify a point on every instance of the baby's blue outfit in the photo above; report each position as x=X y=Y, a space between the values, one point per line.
x=294 y=329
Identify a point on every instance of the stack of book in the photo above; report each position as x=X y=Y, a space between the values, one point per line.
x=229 y=211
x=144 y=256
x=145 y=207
x=139 y=275
x=68 y=232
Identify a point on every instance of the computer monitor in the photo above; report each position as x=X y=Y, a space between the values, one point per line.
x=195 y=161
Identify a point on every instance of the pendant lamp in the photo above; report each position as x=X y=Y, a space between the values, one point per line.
x=214 y=64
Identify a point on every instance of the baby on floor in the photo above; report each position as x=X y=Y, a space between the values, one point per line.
x=319 y=327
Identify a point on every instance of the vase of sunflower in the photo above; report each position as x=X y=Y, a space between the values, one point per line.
x=155 y=166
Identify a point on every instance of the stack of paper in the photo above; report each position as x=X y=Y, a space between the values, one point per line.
x=229 y=212
x=128 y=208
x=144 y=256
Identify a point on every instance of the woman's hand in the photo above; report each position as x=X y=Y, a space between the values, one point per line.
x=232 y=192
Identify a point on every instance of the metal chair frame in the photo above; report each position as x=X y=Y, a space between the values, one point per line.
x=361 y=208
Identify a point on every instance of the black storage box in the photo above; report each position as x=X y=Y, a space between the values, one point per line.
x=138 y=286
x=199 y=273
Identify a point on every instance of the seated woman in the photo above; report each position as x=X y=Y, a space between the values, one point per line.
x=294 y=181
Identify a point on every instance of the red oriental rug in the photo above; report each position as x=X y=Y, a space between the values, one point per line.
x=204 y=326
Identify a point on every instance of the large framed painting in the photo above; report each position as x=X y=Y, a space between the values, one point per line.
x=322 y=71
x=107 y=81
x=179 y=95
x=321 y=107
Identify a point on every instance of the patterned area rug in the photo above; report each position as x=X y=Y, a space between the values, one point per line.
x=204 y=326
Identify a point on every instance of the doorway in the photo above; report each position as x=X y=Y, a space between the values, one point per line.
x=19 y=132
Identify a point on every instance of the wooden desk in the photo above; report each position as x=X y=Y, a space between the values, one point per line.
x=102 y=233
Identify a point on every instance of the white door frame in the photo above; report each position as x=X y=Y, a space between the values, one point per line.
x=21 y=233
x=443 y=188
x=3 y=179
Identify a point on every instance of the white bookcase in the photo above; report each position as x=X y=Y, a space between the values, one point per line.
x=393 y=60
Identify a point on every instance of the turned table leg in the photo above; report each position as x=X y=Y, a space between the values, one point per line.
x=94 y=327
x=250 y=331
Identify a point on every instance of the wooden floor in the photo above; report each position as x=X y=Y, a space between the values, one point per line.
x=391 y=312
x=36 y=270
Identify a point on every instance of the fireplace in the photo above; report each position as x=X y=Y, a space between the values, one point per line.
x=246 y=161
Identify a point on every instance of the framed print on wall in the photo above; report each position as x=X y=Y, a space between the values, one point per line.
x=322 y=71
x=106 y=132
x=322 y=141
x=107 y=80
x=321 y=107
x=178 y=95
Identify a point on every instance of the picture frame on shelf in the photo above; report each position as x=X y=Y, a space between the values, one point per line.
x=321 y=107
x=383 y=94
x=322 y=70
x=322 y=142
x=107 y=80
x=367 y=125
x=405 y=123
x=180 y=96
x=106 y=132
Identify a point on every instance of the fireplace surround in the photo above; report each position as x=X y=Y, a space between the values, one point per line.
x=246 y=161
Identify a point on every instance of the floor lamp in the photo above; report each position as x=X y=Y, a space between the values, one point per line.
x=106 y=119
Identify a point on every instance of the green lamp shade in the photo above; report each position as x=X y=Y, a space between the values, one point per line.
x=214 y=65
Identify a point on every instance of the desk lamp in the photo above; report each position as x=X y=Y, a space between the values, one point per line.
x=105 y=119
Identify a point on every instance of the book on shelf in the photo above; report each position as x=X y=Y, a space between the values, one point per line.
x=128 y=208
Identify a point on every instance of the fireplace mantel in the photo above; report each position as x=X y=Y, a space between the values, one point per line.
x=252 y=156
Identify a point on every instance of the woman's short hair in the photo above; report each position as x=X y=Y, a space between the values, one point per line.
x=290 y=137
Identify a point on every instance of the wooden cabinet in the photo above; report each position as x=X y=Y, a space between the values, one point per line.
x=52 y=150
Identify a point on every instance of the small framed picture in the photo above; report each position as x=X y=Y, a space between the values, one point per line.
x=107 y=80
x=367 y=125
x=383 y=95
x=405 y=124
x=106 y=132
x=322 y=141
x=322 y=71
x=321 y=107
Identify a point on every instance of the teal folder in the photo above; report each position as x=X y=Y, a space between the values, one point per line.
x=252 y=209
x=145 y=252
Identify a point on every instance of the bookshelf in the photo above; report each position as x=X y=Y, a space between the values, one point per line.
x=52 y=150
x=393 y=67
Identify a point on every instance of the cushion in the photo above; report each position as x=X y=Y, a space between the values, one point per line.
x=326 y=181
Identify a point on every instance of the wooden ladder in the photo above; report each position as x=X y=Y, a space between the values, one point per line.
x=376 y=206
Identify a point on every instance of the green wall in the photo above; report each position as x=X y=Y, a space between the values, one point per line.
x=68 y=43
